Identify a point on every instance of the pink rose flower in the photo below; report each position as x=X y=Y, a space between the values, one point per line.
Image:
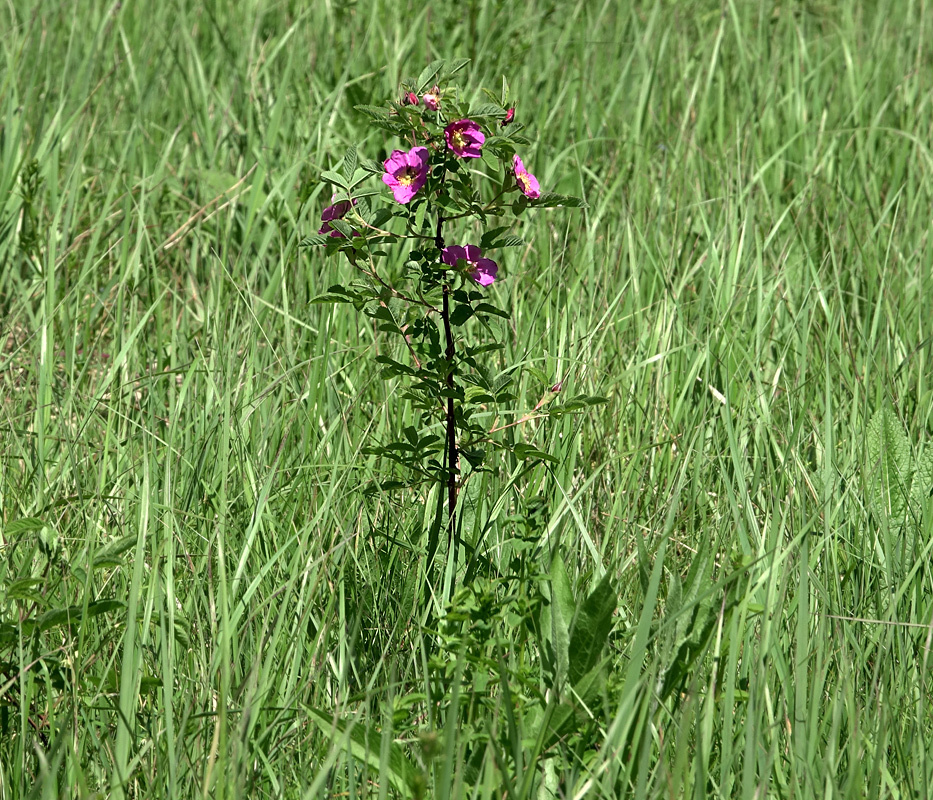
x=332 y=212
x=527 y=182
x=432 y=99
x=406 y=172
x=482 y=270
x=465 y=138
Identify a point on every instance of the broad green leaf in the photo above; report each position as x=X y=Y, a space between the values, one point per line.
x=461 y=314
x=487 y=110
x=562 y=610
x=393 y=367
x=526 y=451
x=365 y=746
x=488 y=308
x=372 y=167
x=24 y=589
x=111 y=554
x=591 y=629
x=554 y=200
x=25 y=525
x=922 y=486
x=488 y=237
x=373 y=112
x=335 y=178
x=348 y=167
x=428 y=75
x=74 y=614
x=455 y=66
x=315 y=240
x=341 y=226
x=888 y=454
x=357 y=177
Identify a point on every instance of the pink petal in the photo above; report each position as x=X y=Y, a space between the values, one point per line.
x=452 y=253
x=395 y=162
x=418 y=158
x=485 y=271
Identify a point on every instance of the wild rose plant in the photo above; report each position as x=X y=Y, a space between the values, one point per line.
x=455 y=182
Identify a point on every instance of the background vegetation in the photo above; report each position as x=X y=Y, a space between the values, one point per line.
x=198 y=597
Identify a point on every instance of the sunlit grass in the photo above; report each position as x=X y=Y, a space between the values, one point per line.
x=198 y=596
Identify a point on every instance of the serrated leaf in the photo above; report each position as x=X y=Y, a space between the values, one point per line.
x=74 y=614
x=455 y=66
x=428 y=75
x=315 y=240
x=330 y=297
x=334 y=178
x=367 y=745
x=348 y=167
x=526 y=451
x=591 y=629
x=394 y=367
x=509 y=241
x=359 y=175
x=380 y=217
x=372 y=167
x=488 y=308
x=888 y=454
x=342 y=226
x=461 y=314
x=562 y=610
x=25 y=525
x=373 y=112
x=922 y=486
x=554 y=200
x=488 y=237
x=111 y=554
x=487 y=110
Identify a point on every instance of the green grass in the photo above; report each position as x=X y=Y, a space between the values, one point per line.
x=197 y=596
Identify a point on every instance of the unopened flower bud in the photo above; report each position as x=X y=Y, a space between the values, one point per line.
x=411 y=99
x=509 y=116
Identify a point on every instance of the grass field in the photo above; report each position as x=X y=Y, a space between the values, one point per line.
x=201 y=594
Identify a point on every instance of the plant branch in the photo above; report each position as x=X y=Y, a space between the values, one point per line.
x=452 y=455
